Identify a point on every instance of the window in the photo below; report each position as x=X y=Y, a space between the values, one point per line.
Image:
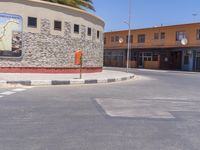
x=131 y=39
x=180 y=35
x=162 y=35
x=155 y=57
x=112 y=39
x=141 y=38
x=104 y=41
x=156 y=36
x=133 y=56
x=147 y=56
x=76 y=28
x=58 y=25
x=89 y=32
x=32 y=22
x=198 y=34
x=116 y=38
x=98 y=34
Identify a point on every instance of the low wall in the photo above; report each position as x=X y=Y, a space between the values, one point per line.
x=151 y=64
x=133 y=64
x=49 y=70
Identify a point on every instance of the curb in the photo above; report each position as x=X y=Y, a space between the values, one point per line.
x=65 y=82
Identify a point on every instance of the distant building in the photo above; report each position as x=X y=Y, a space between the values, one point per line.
x=174 y=47
x=39 y=36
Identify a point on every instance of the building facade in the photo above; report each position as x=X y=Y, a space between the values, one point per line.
x=166 y=47
x=39 y=36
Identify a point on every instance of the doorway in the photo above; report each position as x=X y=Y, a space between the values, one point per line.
x=144 y=56
x=176 y=60
x=141 y=60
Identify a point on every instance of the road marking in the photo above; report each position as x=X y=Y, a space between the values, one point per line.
x=7 y=93
x=151 y=70
x=147 y=108
x=1 y=96
x=18 y=90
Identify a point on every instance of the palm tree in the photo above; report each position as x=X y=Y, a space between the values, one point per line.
x=80 y=4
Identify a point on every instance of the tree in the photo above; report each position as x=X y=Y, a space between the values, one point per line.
x=80 y=4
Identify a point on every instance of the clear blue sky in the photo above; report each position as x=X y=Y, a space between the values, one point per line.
x=146 y=13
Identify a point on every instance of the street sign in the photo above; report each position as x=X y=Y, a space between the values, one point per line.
x=78 y=60
x=78 y=57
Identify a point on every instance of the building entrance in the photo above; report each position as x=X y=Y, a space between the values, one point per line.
x=144 y=56
x=176 y=60
x=141 y=61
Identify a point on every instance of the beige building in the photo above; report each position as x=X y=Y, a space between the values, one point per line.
x=174 y=47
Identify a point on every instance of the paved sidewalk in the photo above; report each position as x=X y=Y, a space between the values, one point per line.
x=36 y=79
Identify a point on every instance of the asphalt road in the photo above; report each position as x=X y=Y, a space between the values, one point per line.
x=155 y=111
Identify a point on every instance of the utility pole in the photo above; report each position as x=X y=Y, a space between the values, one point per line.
x=194 y=17
x=129 y=36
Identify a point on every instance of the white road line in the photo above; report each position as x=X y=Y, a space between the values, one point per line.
x=28 y=87
x=150 y=70
x=18 y=90
x=1 y=96
x=7 y=93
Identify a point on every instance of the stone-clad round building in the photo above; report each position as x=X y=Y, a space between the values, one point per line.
x=39 y=36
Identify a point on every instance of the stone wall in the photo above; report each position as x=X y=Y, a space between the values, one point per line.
x=56 y=51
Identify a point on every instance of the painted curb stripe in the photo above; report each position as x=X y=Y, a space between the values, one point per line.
x=67 y=82
x=111 y=80
x=57 y=82
x=124 y=78
x=41 y=82
x=28 y=83
x=91 y=81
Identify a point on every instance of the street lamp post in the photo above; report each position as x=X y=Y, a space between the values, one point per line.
x=129 y=37
x=194 y=17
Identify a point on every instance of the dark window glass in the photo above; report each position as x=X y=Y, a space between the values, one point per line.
x=76 y=28
x=131 y=39
x=89 y=32
x=141 y=38
x=104 y=40
x=180 y=35
x=155 y=57
x=112 y=39
x=198 y=34
x=58 y=25
x=98 y=34
x=156 y=36
x=162 y=35
x=32 y=22
x=133 y=56
x=147 y=54
x=117 y=39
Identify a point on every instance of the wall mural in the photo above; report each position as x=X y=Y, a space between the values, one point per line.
x=10 y=35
